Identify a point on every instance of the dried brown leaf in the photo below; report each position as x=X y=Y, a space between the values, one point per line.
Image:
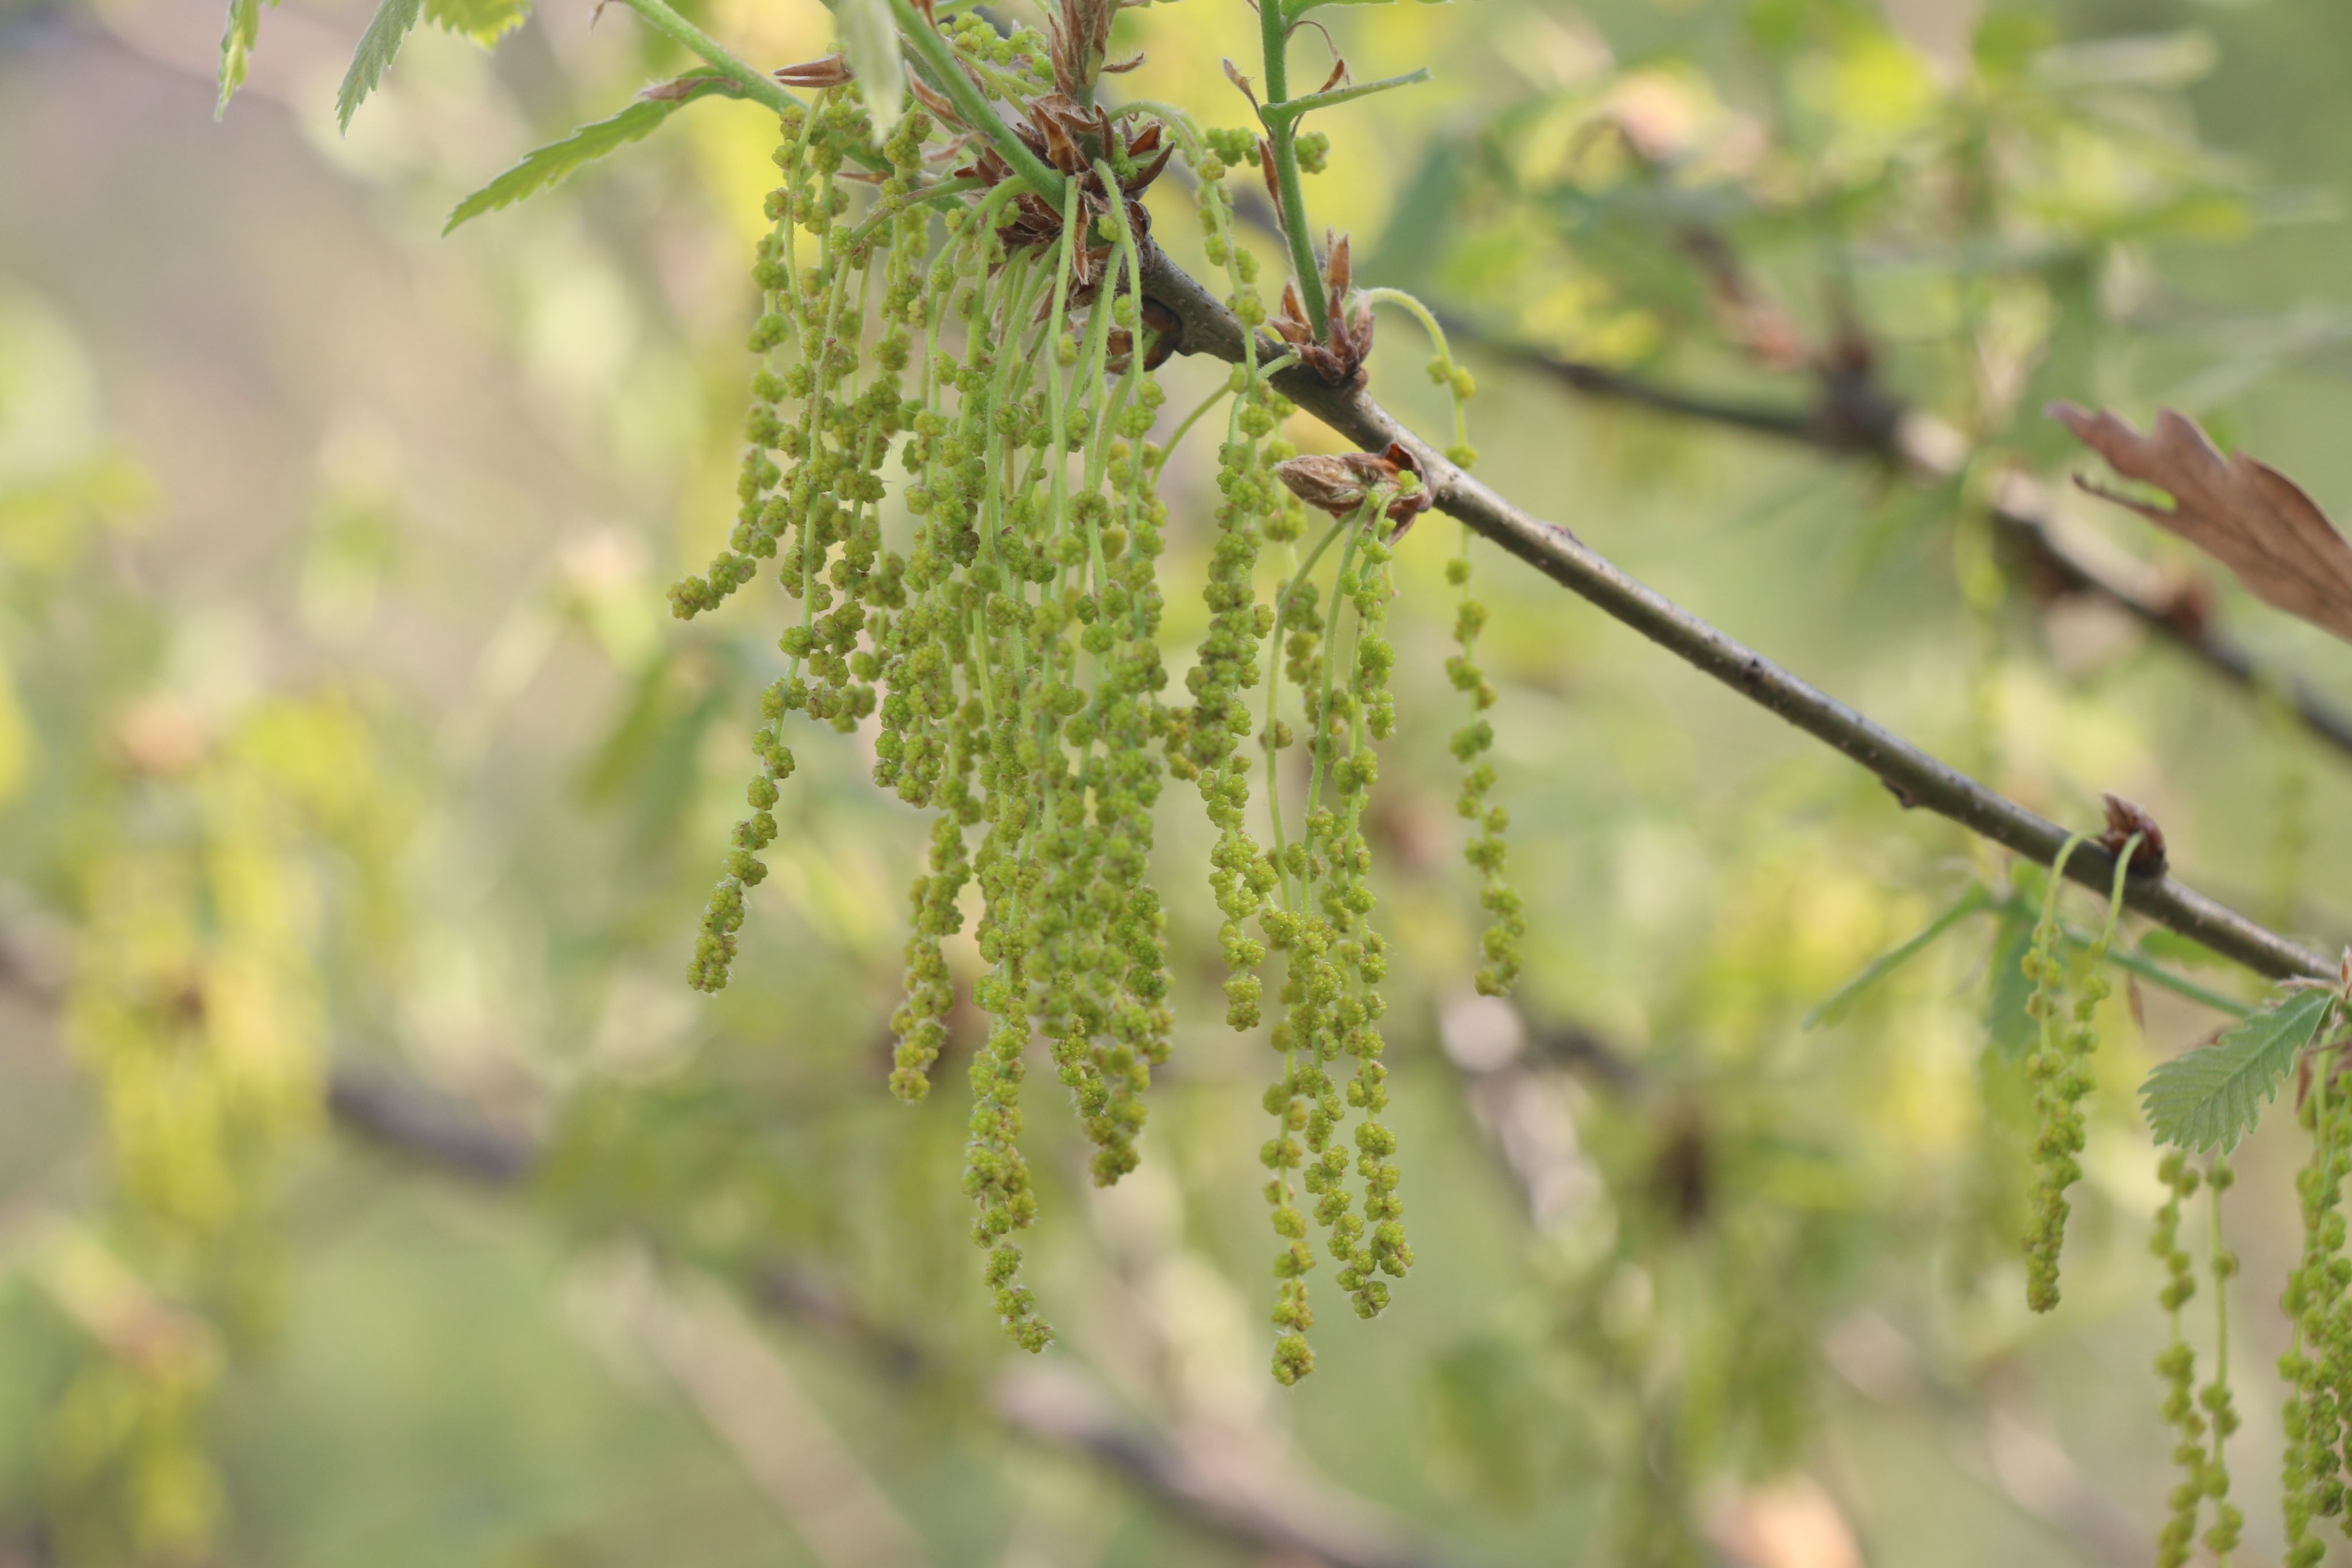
x=1272 y=180
x=693 y=84
x=1339 y=483
x=2127 y=820
x=940 y=107
x=832 y=70
x=2247 y=516
x=1234 y=75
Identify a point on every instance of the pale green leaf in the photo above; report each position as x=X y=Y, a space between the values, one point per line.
x=236 y=49
x=1970 y=903
x=484 y=21
x=392 y=22
x=869 y=39
x=2210 y=1097
x=556 y=162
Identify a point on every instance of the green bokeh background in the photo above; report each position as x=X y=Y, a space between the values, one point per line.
x=267 y=438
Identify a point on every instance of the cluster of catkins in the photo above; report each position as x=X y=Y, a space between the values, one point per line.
x=1008 y=648
x=193 y=1006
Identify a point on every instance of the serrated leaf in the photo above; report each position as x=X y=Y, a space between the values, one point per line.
x=392 y=22
x=870 y=39
x=552 y=165
x=2210 y=1097
x=236 y=49
x=483 y=21
x=1970 y=903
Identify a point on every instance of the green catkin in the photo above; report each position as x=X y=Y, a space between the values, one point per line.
x=1347 y=904
x=1335 y=959
x=195 y=1005
x=2315 y=1366
x=1310 y=898
x=1498 y=944
x=1205 y=747
x=2176 y=1364
x=2220 y=1410
x=2060 y=1067
x=1009 y=658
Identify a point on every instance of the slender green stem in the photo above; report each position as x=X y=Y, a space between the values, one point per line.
x=757 y=84
x=1288 y=111
x=1179 y=122
x=2124 y=958
x=2047 y=985
x=970 y=104
x=1098 y=454
x=1421 y=313
x=2179 y=986
x=1110 y=404
x=812 y=426
x=1273 y=690
x=1281 y=134
x=1319 y=753
x=1057 y=477
x=1272 y=367
x=939 y=191
x=2116 y=892
x=1223 y=390
x=1003 y=381
x=1437 y=341
x=2220 y=1267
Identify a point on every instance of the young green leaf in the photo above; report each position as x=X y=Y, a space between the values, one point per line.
x=237 y=48
x=1970 y=903
x=2211 y=1097
x=392 y=22
x=556 y=162
x=484 y=21
x=870 y=40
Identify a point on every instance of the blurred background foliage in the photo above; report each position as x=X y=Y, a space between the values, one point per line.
x=372 y=1190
